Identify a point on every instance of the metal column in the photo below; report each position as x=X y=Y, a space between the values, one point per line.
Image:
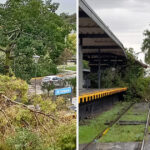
x=99 y=71
x=80 y=65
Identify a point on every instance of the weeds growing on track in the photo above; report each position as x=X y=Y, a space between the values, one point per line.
x=94 y=126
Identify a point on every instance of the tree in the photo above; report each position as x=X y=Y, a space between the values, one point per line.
x=71 y=43
x=29 y=27
x=70 y=19
x=70 y=49
x=146 y=46
x=48 y=86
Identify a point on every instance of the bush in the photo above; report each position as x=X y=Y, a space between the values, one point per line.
x=61 y=103
x=48 y=86
x=67 y=140
x=14 y=88
x=138 y=89
x=71 y=82
x=25 y=140
x=4 y=146
x=46 y=104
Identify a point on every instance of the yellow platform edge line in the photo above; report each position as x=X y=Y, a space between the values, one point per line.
x=101 y=93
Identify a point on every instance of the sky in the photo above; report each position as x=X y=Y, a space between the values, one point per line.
x=127 y=19
x=67 y=6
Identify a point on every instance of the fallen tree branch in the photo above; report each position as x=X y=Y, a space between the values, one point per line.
x=36 y=117
x=13 y=31
x=2 y=50
x=6 y=117
x=26 y=106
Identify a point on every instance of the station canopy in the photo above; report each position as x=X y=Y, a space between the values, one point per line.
x=97 y=42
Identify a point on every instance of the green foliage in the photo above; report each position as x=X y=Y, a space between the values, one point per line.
x=22 y=128
x=70 y=19
x=126 y=133
x=61 y=103
x=67 y=140
x=65 y=55
x=46 y=104
x=92 y=127
x=71 y=43
x=72 y=82
x=3 y=146
x=48 y=86
x=72 y=68
x=85 y=64
x=14 y=88
x=28 y=28
x=69 y=51
x=131 y=76
x=24 y=140
x=146 y=46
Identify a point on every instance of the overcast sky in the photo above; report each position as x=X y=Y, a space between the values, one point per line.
x=127 y=19
x=68 y=6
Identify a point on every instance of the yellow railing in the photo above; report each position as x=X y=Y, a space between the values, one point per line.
x=99 y=94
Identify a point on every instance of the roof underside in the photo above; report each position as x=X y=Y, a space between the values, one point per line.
x=97 y=41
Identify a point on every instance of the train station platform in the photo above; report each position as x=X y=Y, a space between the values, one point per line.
x=88 y=95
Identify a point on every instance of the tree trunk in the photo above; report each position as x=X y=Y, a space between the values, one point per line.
x=8 y=70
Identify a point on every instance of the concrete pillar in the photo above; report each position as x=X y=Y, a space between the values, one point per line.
x=80 y=68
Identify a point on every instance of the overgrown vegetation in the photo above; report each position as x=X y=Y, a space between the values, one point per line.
x=132 y=75
x=14 y=88
x=89 y=130
x=128 y=133
x=36 y=122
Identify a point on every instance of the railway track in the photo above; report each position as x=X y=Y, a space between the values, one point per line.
x=107 y=129
x=144 y=144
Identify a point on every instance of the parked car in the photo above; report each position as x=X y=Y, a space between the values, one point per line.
x=57 y=81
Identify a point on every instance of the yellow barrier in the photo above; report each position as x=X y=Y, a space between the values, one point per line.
x=99 y=94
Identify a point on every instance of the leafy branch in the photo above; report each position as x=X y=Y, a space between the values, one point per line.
x=27 y=107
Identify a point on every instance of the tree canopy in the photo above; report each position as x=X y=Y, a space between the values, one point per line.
x=146 y=46
x=29 y=27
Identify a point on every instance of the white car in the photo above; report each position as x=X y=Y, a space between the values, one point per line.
x=57 y=81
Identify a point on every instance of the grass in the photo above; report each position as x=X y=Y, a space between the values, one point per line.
x=141 y=117
x=72 y=68
x=95 y=126
x=126 y=133
x=120 y=133
x=67 y=67
x=132 y=115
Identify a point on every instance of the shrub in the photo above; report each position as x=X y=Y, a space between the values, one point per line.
x=25 y=140
x=14 y=88
x=48 y=86
x=72 y=82
x=67 y=139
